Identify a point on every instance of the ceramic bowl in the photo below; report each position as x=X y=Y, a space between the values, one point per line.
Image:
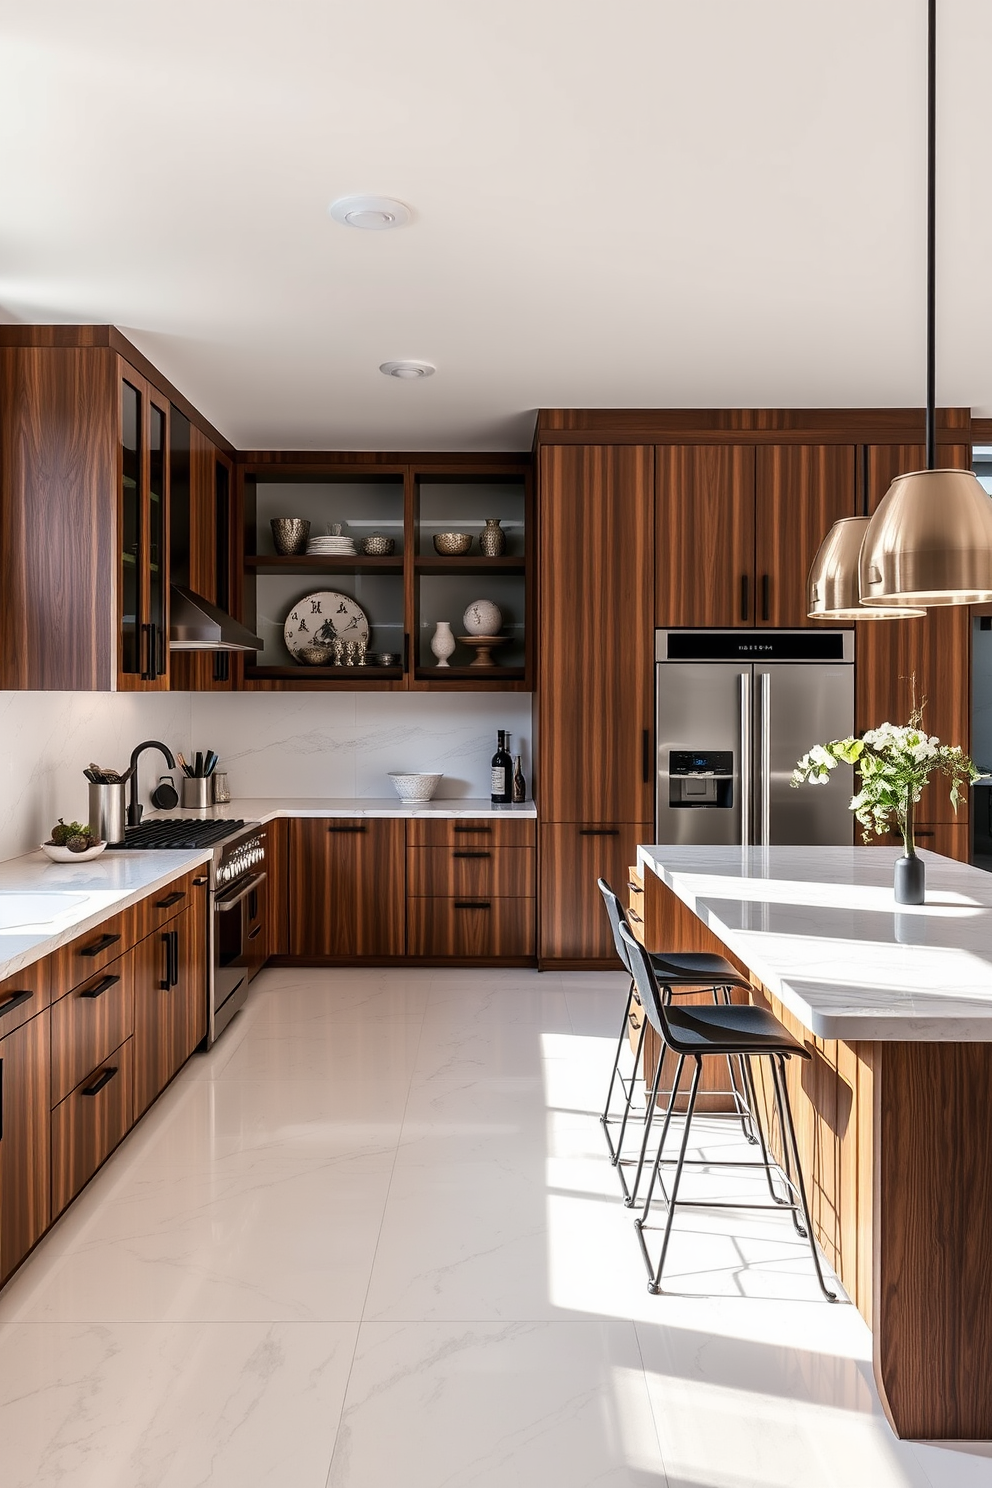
x=378 y=546
x=416 y=787
x=452 y=544
x=66 y=855
x=315 y=655
x=289 y=535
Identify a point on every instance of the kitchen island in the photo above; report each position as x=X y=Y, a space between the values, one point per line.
x=895 y=1006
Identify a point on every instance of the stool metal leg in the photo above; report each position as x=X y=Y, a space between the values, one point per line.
x=654 y=1276
x=616 y=1059
x=630 y=1194
x=740 y=1100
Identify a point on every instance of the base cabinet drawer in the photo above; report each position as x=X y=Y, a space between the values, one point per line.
x=24 y=995
x=471 y=927
x=574 y=925
x=89 y=1124
x=473 y=831
x=467 y=871
x=89 y=1024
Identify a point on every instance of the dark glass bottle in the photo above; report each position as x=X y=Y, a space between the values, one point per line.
x=502 y=772
x=519 y=783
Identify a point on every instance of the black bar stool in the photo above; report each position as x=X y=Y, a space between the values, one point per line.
x=681 y=971
x=742 y=1032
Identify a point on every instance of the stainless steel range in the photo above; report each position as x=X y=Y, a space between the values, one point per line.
x=237 y=941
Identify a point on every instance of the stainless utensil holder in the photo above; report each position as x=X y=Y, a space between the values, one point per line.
x=106 y=812
x=197 y=792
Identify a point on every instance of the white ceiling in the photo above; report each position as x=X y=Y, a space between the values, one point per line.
x=643 y=203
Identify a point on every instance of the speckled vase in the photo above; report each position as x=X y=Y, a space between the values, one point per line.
x=442 y=642
x=492 y=539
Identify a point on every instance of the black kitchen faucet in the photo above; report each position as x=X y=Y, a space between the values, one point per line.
x=134 y=810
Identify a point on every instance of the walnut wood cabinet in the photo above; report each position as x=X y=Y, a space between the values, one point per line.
x=201 y=542
x=170 y=1006
x=595 y=700
x=25 y=1153
x=347 y=888
x=738 y=526
x=470 y=889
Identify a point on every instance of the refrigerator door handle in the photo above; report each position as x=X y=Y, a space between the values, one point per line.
x=765 y=761
x=745 y=757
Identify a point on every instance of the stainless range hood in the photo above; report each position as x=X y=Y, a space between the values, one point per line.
x=197 y=625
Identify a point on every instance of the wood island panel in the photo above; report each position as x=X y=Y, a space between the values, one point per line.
x=899 y=1178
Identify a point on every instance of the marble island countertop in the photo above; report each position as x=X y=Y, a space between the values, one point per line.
x=819 y=927
x=268 y=808
x=45 y=905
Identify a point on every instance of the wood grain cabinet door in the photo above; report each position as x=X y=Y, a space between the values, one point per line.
x=25 y=1151
x=800 y=491
x=596 y=647
x=190 y=969
x=572 y=920
x=156 y=1055
x=347 y=888
x=704 y=535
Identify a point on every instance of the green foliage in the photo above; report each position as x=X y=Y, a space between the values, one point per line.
x=72 y=835
x=894 y=764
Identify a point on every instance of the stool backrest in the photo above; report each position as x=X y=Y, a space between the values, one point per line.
x=617 y=918
x=646 y=982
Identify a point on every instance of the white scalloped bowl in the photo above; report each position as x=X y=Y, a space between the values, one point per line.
x=66 y=855
x=416 y=787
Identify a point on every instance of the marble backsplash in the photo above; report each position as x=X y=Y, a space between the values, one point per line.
x=271 y=744
x=346 y=743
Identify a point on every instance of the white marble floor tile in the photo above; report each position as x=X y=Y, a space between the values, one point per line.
x=191 y=1405
x=482 y=1405
x=252 y=1238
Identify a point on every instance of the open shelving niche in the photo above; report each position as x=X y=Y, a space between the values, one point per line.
x=404 y=595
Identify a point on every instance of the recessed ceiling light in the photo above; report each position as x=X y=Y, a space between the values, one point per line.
x=408 y=370
x=372 y=213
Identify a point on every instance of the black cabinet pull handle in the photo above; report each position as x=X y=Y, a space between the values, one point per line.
x=199 y=882
x=101 y=987
x=646 y=756
x=466 y=854
x=745 y=597
x=100 y=945
x=599 y=831
x=473 y=831
x=252 y=933
x=167 y=981
x=406 y=651
x=98 y=1084
x=346 y=829
x=631 y=1019
x=170 y=899
x=923 y=834
x=472 y=904
x=175 y=958
x=16 y=999
x=765 y=593
x=635 y=888
x=633 y=915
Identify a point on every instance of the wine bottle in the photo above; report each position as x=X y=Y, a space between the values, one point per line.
x=519 y=783
x=501 y=772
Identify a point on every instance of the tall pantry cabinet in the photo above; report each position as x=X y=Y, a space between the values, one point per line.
x=595 y=689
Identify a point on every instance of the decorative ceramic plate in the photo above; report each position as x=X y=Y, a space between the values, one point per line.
x=322 y=618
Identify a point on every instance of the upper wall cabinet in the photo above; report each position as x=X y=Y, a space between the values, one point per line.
x=201 y=527
x=85 y=469
x=738 y=527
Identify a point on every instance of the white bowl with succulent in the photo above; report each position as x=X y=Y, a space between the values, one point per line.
x=894 y=762
x=71 y=842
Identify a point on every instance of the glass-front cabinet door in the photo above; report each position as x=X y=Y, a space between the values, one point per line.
x=143 y=593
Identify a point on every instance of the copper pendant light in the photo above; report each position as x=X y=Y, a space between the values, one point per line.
x=833 y=579
x=930 y=541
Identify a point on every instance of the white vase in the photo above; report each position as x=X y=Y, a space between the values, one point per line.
x=442 y=642
x=482 y=618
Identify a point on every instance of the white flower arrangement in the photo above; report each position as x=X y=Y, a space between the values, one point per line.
x=894 y=763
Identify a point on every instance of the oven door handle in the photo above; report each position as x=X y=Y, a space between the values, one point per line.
x=221 y=903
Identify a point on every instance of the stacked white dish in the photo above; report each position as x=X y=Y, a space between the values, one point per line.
x=332 y=547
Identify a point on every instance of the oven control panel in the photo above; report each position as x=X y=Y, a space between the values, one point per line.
x=240 y=858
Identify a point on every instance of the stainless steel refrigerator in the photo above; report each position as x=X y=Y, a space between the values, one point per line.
x=734 y=710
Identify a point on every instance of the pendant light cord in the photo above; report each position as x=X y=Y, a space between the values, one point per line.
x=931 y=425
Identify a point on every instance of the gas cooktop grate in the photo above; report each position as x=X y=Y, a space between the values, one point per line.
x=177 y=832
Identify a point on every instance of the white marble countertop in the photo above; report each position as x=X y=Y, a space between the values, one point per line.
x=819 y=927
x=268 y=808
x=44 y=905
